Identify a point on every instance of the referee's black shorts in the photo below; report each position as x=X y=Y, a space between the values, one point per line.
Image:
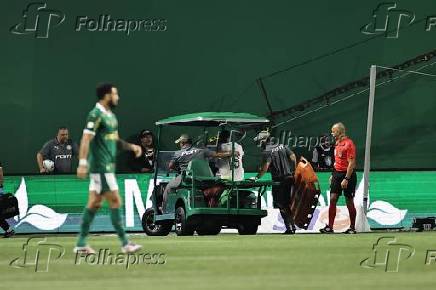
x=335 y=185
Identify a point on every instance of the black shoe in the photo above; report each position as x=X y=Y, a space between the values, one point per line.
x=350 y=231
x=326 y=230
x=8 y=234
x=289 y=232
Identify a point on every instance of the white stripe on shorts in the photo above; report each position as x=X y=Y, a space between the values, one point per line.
x=111 y=181
x=95 y=182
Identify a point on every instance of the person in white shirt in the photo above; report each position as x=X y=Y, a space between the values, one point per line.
x=223 y=164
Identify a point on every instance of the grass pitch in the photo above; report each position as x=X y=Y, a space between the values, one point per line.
x=227 y=261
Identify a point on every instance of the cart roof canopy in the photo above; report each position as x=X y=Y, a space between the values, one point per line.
x=214 y=119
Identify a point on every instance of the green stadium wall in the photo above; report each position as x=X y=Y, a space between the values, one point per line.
x=207 y=59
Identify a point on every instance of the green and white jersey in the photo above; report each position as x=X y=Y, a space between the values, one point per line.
x=103 y=125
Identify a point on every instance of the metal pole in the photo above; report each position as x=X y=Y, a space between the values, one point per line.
x=156 y=156
x=367 y=164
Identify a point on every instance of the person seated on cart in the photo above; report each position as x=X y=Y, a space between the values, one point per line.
x=181 y=159
x=223 y=164
x=281 y=162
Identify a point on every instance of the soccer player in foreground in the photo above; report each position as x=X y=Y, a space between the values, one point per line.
x=100 y=139
x=343 y=178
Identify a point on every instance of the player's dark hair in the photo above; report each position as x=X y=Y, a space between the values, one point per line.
x=62 y=128
x=103 y=89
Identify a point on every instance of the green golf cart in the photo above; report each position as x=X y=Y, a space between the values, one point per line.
x=238 y=203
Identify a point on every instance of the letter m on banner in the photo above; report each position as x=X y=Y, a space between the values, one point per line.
x=132 y=200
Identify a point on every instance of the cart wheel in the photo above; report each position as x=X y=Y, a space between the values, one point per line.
x=182 y=228
x=209 y=230
x=247 y=228
x=150 y=228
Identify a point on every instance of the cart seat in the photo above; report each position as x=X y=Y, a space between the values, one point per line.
x=199 y=170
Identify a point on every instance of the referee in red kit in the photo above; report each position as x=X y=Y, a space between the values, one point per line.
x=343 y=178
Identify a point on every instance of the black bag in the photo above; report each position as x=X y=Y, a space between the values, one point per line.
x=8 y=206
x=424 y=224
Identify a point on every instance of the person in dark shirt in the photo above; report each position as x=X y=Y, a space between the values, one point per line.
x=145 y=163
x=61 y=150
x=281 y=162
x=323 y=154
x=3 y=223
x=180 y=161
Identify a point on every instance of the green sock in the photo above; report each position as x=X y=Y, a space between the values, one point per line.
x=116 y=222
x=87 y=218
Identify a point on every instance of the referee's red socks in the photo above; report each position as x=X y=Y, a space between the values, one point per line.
x=352 y=212
x=332 y=214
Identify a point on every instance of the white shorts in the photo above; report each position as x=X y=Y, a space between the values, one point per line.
x=102 y=182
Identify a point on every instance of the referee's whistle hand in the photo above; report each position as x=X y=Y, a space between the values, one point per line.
x=344 y=184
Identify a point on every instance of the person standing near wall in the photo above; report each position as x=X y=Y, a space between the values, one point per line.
x=3 y=223
x=343 y=178
x=145 y=163
x=61 y=150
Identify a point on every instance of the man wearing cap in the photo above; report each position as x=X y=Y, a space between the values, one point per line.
x=145 y=163
x=180 y=160
x=61 y=151
x=281 y=161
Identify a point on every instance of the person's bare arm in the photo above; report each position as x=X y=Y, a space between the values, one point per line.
x=130 y=147
x=172 y=165
x=82 y=170
x=350 y=169
x=262 y=171
x=39 y=159
x=293 y=159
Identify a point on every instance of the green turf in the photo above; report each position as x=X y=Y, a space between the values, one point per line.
x=230 y=262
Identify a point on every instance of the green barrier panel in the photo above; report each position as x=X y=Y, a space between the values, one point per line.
x=55 y=203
